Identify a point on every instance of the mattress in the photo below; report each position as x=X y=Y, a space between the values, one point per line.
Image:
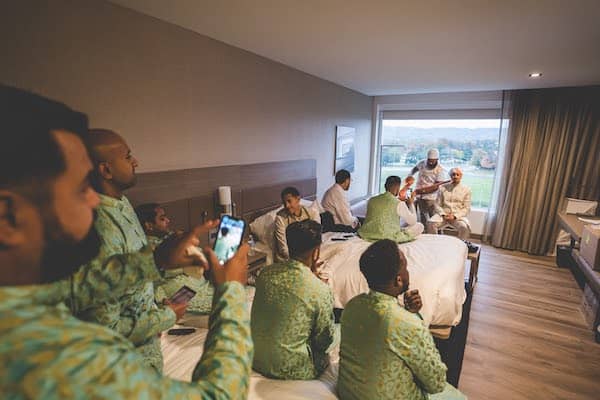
x=182 y=353
x=436 y=264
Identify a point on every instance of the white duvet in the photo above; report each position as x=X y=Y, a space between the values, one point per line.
x=182 y=353
x=436 y=264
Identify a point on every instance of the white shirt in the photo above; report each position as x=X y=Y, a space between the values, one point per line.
x=428 y=177
x=335 y=201
x=408 y=216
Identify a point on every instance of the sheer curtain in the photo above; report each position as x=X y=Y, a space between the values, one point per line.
x=552 y=150
x=500 y=177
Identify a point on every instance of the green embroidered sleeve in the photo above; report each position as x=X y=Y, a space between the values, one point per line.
x=324 y=333
x=109 y=277
x=415 y=346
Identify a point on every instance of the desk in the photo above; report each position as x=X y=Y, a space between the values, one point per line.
x=572 y=224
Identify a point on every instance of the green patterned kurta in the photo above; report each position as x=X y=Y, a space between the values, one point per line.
x=292 y=322
x=47 y=354
x=382 y=220
x=172 y=280
x=387 y=352
x=132 y=312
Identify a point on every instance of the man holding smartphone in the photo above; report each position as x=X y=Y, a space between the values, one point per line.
x=46 y=232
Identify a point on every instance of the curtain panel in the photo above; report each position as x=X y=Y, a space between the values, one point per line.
x=553 y=151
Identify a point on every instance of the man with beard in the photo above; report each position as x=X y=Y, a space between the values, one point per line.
x=133 y=313
x=386 y=350
x=431 y=176
x=46 y=233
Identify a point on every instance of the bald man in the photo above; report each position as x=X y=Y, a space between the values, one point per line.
x=454 y=206
x=132 y=312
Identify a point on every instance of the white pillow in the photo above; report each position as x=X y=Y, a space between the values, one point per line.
x=263 y=227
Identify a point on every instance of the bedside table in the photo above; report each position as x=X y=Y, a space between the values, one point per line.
x=256 y=262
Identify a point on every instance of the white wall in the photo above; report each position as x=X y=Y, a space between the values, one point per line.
x=181 y=100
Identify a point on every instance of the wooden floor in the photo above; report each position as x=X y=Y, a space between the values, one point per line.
x=527 y=338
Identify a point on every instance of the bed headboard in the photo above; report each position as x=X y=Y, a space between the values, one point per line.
x=190 y=194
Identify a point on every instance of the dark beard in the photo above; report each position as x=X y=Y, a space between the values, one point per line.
x=63 y=256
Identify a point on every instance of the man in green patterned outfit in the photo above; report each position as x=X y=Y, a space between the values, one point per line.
x=134 y=313
x=383 y=216
x=46 y=233
x=386 y=351
x=292 y=313
x=156 y=224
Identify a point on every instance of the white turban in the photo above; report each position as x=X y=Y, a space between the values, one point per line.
x=433 y=154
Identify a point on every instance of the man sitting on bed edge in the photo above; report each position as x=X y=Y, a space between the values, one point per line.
x=292 y=314
x=386 y=350
x=384 y=214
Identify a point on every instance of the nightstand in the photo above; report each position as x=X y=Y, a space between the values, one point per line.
x=256 y=262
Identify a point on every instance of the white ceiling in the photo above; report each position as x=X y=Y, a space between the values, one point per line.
x=381 y=47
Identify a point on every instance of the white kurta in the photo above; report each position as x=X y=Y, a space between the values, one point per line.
x=408 y=218
x=428 y=177
x=455 y=199
x=336 y=202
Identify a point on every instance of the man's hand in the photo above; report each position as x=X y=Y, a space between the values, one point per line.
x=233 y=270
x=178 y=308
x=412 y=301
x=172 y=253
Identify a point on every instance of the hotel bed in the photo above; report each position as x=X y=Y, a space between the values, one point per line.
x=436 y=264
x=182 y=353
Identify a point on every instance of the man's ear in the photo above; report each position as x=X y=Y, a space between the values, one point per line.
x=398 y=281
x=104 y=170
x=11 y=232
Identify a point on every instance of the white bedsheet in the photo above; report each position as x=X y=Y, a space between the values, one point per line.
x=182 y=353
x=436 y=264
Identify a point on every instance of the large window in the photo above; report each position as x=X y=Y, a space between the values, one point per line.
x=471 y=144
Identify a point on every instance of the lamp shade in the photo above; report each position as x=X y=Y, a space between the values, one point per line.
x=224 y=195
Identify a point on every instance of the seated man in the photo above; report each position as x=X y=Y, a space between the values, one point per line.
x=292 y=314
x=46 y=233
x=455 y=205
x=133 y=313
x=335 y=201
x=383 y=216
x=156 y=224
x=292 y=211
x=386 y=351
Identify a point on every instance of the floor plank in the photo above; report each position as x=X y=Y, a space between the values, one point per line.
x=527 y=338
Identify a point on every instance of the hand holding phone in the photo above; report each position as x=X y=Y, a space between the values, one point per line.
x=182 y=296
x=229 y=238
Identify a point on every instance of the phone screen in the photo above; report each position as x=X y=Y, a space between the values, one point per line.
x=182 y=296
x=229 y=237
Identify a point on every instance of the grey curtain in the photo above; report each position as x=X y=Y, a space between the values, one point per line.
x=553 y=151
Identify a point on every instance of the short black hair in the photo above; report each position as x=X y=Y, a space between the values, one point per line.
x=30 y=157
x=303 y=236
x=391 y=181
x=290 y=190
x=147 y=212
x=341 y=176
x=381 y=262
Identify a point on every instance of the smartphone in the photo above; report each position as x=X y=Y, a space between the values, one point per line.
x=180 y=331
x=183 y=295
x=229 y=237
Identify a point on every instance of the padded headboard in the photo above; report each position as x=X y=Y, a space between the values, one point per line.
x=190 y=194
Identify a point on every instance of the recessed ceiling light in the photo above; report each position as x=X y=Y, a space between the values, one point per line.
x=535 y=75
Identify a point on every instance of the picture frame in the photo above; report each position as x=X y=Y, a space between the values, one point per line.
x=344 y=148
